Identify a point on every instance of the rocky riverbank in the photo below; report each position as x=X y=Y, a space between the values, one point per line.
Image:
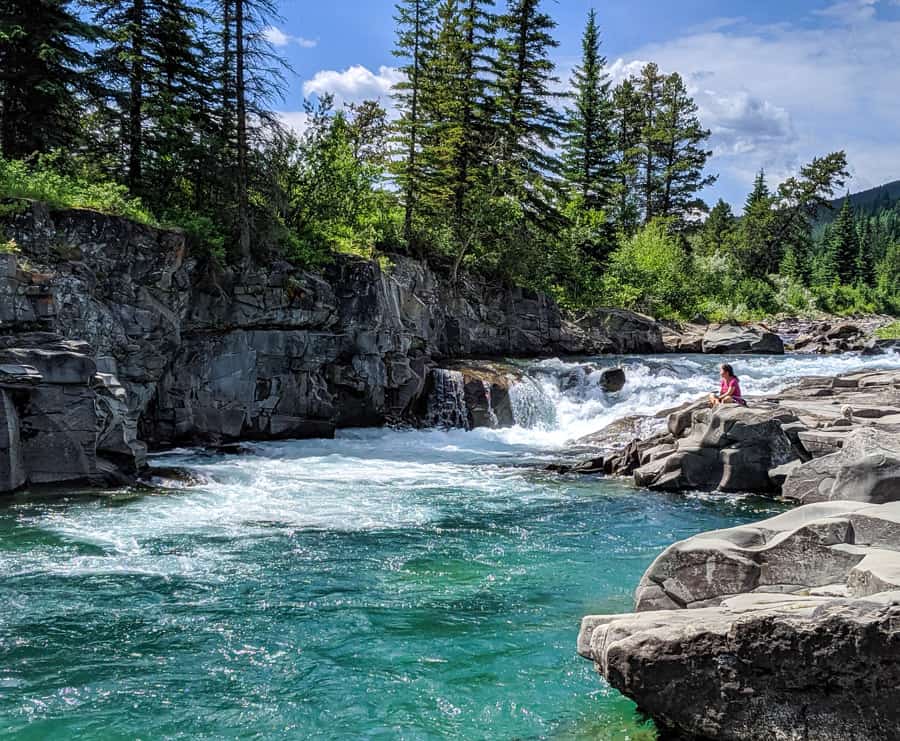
x=198 y=354
x=785 y=629
x=826 y=438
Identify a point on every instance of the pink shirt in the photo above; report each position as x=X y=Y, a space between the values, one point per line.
x=731 y=386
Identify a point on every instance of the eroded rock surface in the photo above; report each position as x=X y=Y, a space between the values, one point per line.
x=825 y=438
x=793 y=630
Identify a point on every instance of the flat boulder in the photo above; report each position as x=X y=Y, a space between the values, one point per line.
x=865 y=469
x=734 y=339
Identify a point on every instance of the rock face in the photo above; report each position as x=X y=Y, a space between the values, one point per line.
x=61 y=420
x=826 y=438
x=194 y=354
x=792 y=632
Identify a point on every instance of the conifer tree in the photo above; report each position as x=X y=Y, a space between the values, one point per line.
x=682 y=155
x=527 y=122
x=42 y=74
x=718 y=231
x=756 y=227
x=845 y=244
x=415 y=20
x=627 y=125
x=589 y=143
x=649 y=90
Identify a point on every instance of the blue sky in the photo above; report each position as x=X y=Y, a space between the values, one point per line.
x=776 y=82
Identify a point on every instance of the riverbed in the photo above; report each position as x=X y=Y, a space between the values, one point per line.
x=385 y=584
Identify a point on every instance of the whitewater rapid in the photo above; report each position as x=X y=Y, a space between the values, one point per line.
x=425 y=583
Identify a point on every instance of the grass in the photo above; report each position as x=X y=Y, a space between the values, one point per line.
x=39 y=181
x=889 y=332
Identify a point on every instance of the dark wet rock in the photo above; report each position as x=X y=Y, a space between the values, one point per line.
x=733 y=339
x=210 y=355
x=779 y=610
x=612 y=379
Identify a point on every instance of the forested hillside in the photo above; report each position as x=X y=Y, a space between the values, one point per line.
x=165 y=111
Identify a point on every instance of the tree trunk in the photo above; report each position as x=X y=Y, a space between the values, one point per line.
x=410 y=195
x=240 y=89
x=136 y=102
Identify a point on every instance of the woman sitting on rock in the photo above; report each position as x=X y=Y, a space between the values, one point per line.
x=729 y=389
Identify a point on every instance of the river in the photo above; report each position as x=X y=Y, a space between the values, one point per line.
x=385 y=584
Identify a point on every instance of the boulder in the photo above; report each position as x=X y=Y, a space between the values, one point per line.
x=733 y=339
x=779 y=610
x=865 y=469
x=729 y=448
x=612 y=379
x=758 y=666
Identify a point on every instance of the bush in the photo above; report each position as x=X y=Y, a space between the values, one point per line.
x=650 y=272
x=44 y=180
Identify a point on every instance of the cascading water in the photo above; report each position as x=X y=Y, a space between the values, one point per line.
x=417 y=584
x=447 y=400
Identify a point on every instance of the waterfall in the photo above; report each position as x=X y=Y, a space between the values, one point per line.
x=531 y=404
x=447 y=400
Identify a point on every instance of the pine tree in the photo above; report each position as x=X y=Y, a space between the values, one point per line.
x=251 y=79
x=845 y=243
x=42 y=74
x=681 y=152
x=649 y=89
x=415 y=20
x=717 y=234
x=627 y=126
x=865 y=259
x=589 y=145
x=527 y=122
x=755 y=231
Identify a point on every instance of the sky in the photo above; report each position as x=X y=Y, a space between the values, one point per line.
x=777 y=81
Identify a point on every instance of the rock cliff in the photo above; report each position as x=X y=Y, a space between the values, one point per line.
x=199 y=354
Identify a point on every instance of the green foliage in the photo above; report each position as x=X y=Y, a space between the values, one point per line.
x=43 y=180
x=889 y=332
x=647 y=273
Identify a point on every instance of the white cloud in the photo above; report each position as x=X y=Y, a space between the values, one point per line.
x=851 y=11
x=279 y=38
x=354 y=84
x=775 y=96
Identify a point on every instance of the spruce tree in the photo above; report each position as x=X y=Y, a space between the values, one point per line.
x=845 y=244
x=527 y=122
x=589 y=145
x=42 y=75
x=755 y=231
x=415 y=20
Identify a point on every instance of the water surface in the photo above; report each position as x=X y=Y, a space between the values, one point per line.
x=386 y=584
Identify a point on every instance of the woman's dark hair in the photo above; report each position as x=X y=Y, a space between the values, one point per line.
x=728 y=369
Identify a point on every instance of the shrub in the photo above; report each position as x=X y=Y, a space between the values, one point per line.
x=650 y=272
x=44 y=180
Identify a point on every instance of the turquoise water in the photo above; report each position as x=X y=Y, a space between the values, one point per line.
x=382 y=585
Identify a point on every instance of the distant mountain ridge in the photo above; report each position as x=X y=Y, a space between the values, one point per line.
x=865 y=201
